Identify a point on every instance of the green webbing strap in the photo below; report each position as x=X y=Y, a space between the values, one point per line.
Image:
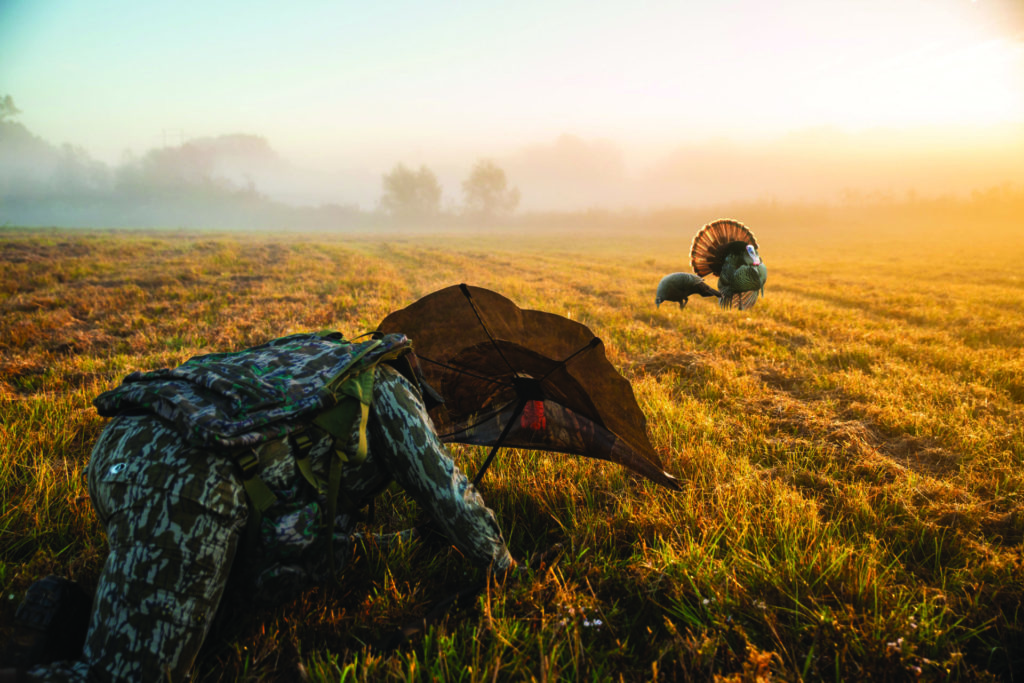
x=338 y=421
x=360 y=388
x=259 y=493
x=339 y=380
x=303 y=444
x=334 y=487
x=256 y=491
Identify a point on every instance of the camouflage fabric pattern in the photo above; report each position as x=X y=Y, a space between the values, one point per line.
x=175 y=515
x=242 y=398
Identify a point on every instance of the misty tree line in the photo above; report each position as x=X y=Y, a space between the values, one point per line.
x=408 y=193
x=207 y=182
x=210 y=183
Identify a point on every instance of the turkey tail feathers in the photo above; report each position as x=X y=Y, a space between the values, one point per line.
x=704 y=289
x=710 y=245
x=740 y=300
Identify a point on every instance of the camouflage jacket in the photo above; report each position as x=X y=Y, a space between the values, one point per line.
x=253 y=400
x=173 y=504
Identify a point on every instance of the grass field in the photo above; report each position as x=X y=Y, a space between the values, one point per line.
x=852 y=448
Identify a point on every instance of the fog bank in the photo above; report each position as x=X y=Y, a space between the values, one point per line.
x=241 y=180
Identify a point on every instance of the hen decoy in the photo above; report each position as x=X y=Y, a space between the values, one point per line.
x=727 y=248
x=680 y=287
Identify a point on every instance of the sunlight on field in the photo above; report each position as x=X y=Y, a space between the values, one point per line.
x=852 y=448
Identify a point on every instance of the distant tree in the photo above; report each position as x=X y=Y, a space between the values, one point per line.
x=76 y=172
x=487 y=192
x=171 y=169
x=7 y=108
x=410 y=193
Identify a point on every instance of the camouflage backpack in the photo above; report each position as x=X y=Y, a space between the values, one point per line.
x=235 y=401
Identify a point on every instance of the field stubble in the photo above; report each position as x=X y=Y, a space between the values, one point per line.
x=851 y=451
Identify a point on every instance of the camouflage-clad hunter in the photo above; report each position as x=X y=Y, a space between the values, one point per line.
x=176 y=515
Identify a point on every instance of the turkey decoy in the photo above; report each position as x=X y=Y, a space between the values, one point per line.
x=680 y=287
x=728 y=249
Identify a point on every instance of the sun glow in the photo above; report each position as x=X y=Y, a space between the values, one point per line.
x=970 y=85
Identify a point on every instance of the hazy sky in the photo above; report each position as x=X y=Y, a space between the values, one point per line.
x=336 y=84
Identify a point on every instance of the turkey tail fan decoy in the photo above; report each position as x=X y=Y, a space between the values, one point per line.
x=728 y=249
x=679 y=287
x=517 y=378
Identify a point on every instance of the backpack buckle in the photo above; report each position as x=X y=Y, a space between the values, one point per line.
x=248 y=461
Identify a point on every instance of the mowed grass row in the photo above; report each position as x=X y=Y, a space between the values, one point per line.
x=851 y=450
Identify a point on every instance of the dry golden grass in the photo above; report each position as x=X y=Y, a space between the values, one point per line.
x=852 y=447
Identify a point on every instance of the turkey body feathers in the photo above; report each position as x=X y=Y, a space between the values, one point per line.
x=680 y=286
x=740 y=283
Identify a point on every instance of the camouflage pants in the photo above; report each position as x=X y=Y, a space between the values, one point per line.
x=174 y=517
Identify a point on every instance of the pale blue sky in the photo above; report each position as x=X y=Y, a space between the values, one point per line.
x=376 y=82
